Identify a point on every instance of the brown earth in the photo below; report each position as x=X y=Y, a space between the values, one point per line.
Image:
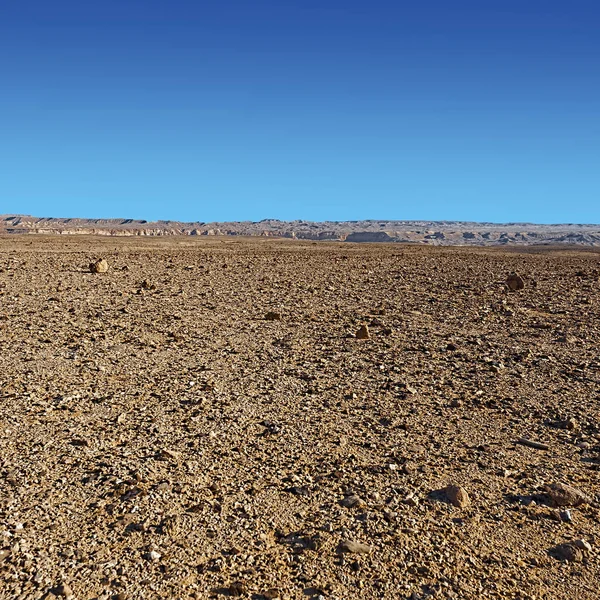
x=163 y=437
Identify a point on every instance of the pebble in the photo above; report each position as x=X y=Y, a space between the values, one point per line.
x=167 y=454
x=408 y=468
x=566 y=516
x=515 y=282
x=147 y=285
x=100 y=266
x=583 y=545
x=237 y=588
x=571 y=424
x=354 y=547
x=273 y=316
x=64 y=590
x=411 y=499
x=353 y=501
x=457 y=496
x=363 y=333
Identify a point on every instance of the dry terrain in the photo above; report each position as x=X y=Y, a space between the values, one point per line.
x=203 y=420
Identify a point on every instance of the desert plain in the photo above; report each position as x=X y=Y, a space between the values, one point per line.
x=256 y=418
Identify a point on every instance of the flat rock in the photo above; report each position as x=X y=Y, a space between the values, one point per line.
x=354 y=547
x=567 y=552
x=167 y=454
x=561 y=494
x=273 y=316
x=353 y=501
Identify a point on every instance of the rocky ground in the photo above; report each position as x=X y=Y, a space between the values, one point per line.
x=203 y=420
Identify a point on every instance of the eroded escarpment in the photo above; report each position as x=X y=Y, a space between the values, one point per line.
x=442 y=233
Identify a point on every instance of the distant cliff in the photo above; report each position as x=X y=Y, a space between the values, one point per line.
x=438 y=233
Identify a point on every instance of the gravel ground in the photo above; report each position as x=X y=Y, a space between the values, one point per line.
x=203 y=421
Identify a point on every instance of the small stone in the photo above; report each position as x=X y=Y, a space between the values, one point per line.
x=273 y=316
x=515 y=282
x=568 y=552
x=80 y=442
x=354 y=547
x=64 y=591
x=237 y=588
x=411 y=500
x=565 y=516
x=409 y=468
x=583 y=545
x=389 y=515
x=457 y=496
x=153 y=556
x=167 y=454
x=363 y=333
x=147 y=285
x=100 y=266
x=565 y=495
x=570 y=424
x=301 y=490
x=353 y=501
x=271 y=594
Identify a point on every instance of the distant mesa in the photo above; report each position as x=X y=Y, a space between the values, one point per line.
x=369 y=236
x=433 y=233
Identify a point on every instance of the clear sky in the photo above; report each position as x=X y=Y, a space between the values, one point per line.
x=311 y=109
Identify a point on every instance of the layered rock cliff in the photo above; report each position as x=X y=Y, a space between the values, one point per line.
x=442 y=233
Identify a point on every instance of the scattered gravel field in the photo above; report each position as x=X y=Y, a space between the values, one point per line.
x=262 y=419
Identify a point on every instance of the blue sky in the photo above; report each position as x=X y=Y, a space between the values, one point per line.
x=315 y=109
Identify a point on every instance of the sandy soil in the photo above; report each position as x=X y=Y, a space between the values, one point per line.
x=163 y=438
